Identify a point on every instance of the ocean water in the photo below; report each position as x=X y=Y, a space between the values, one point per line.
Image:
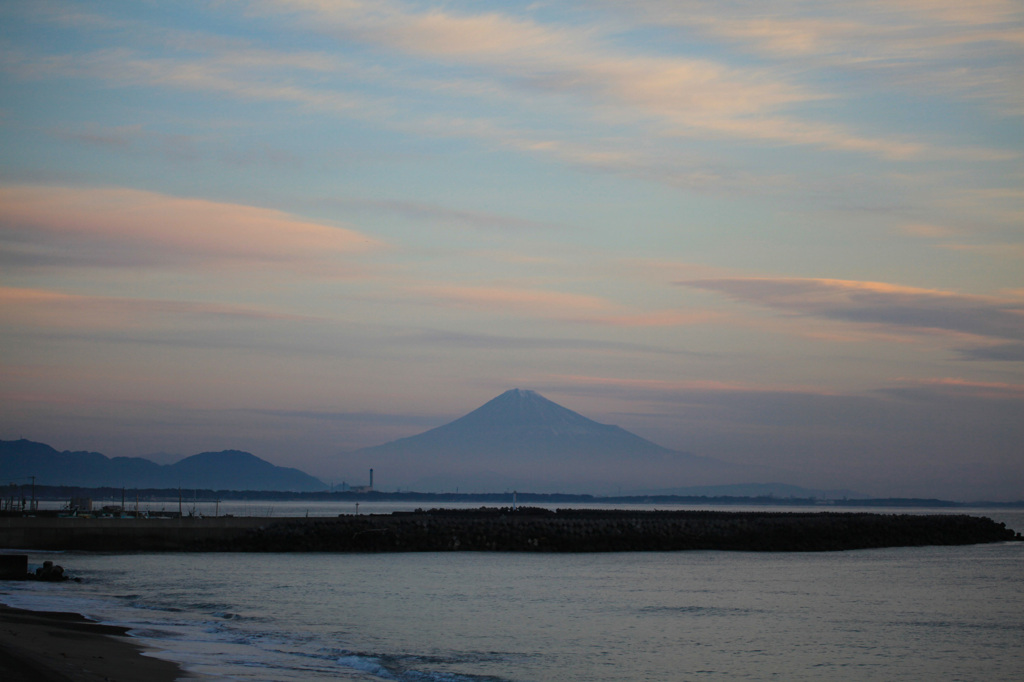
x=938 y=613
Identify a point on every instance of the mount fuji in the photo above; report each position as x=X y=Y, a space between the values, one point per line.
x=521 y=440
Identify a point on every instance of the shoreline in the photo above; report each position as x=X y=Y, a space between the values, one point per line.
x=48 y=646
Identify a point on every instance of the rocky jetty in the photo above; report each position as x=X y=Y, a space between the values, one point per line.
x=541 y=530
x=509 y=530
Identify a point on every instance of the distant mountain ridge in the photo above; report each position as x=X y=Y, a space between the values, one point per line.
x=226 y=470
x=521 y=440
x=754 y=490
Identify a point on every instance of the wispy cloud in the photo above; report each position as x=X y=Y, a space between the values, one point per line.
x=657 y=318
x=670 y=96
x=474 y=341
x=875 y=303
x=955 y=387
x=553 y=304
x=1013 y=352
x=128 y=227
x=419 y=210
x=562 y=74
x=669 y=390
x=46 y=308
x=971 y=49
x=246 y=74
x=137 y=139
x=540 y=302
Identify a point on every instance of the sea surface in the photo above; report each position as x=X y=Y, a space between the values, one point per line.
x=936 y=613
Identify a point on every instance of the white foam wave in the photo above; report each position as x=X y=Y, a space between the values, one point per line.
x=366 y=664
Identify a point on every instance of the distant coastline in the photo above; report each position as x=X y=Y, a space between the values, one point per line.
x=64 y=493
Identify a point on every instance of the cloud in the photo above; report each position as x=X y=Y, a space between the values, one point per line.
x=669 y=95
x=449 y=339
x=57 y=329
x=422 y=422
x=561 y=74
x=857 y=29
x=886 y=305
x=554 y=58
x=540 y=302
x=211 y=66
x=972 y=49
x=143 y=140
x=240 y=75
x=657 y=318
x=26 y=308
x=128 y=227
x=114 y=137
x=671 y=390
x=1013 y=352
x=951 y=387
x=489 y=35
x=418 y=210
x=559 y=305
x=927 y=230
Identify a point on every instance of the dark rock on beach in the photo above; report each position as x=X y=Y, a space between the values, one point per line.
x=50 y=573
x=15 y=567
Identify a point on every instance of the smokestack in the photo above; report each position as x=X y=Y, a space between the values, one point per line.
x=371 y=479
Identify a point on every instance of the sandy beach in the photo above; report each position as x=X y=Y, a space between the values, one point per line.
x=40 y=646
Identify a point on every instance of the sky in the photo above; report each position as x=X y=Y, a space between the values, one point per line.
x=786 y=234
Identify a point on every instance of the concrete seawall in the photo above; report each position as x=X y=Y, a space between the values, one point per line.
x=535 y=530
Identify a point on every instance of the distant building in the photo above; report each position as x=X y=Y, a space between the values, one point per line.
x=363 y=488
x=80 y=504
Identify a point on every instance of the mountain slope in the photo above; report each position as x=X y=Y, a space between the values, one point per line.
x=519 y=422
x=522 y=440
x=237 y=470
x=21 y=459
x=228 y=470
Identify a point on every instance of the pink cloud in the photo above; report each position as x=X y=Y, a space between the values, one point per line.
x=685 y=96
x=909 y=43
x=529 y=301
x=658 y=318
x=44 y=308
x=146 y=227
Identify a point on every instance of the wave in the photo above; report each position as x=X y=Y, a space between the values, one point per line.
x=407 y=668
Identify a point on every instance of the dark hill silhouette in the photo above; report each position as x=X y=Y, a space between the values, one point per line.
x=237 y=470
x=228 y=470
x=522 y=440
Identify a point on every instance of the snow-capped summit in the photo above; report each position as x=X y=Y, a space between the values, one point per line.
x=520 y=413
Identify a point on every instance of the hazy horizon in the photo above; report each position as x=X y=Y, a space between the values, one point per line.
x=786 y=236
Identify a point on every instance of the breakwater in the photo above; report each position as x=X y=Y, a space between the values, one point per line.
x=529 y=530
x=121 y=534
